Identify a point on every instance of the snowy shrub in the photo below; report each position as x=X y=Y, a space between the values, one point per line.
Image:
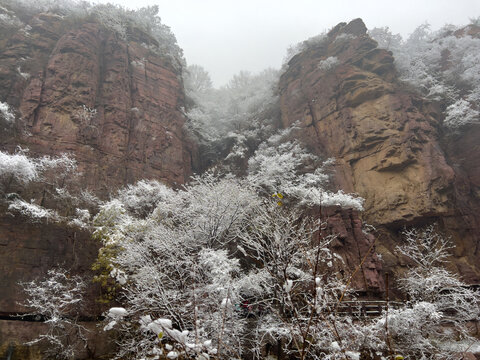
x=286 y=168
x=25 y=76
x=140 y=199
x=24 y=169
x=18 y=166
x=33 y=176
x=138 y=63
x=6 y=113
x=440 y=306
x=9 y=19
x=344 y=36
x=461 y=113
x=84 y=115
x=32 y=211
x=81 y=219
x=63 y=164
x=296 y=49
x=328 y=64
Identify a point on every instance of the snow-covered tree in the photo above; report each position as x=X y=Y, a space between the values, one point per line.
x=57 y=299
x=290 y=285
x=442 y=65
x=433 y=324
x=197 y=81
x=281 y=167
x=233 y=108
x=194 y=263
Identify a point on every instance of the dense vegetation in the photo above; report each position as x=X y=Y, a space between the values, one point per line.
x=442 y=65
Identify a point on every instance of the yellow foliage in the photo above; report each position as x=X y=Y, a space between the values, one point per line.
x=103 y=267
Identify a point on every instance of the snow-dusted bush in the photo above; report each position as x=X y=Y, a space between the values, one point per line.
x=81 y=219
x=329 y=63
x=296 y=49
x=440 y=305
x=284 y=167
x=63 y=165
x=8 y=18
x=25 y=76
x=57 y=298
x=140 y=199
x=344 y=37
x=32 y=211
x=24 y=169
x=461 y=113
x=84 y=115
x=6 y=112
x=32 y=176
x=18 y=166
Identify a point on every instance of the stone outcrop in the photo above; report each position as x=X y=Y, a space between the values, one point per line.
x=343 y=93
x=361 y=266
x=136 y=127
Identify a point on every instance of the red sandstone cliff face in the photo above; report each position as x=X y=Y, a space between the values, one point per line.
x=387 y=141
x=137 y=131
x=357 y=249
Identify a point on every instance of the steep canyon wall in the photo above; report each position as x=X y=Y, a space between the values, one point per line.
x=343 y=93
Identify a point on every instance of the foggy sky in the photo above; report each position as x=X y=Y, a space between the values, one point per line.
x=227 y=36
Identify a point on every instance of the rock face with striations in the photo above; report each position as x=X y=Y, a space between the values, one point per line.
x=115 y=104
x=342 y=91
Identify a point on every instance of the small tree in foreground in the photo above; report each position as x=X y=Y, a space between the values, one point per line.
x=433 y=324
x=57 y=300
x=293 y=288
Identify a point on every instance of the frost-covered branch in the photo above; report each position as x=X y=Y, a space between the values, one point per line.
x=57 y=298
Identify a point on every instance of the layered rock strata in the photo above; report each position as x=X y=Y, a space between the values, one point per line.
x=343 y=93
x=116 y=105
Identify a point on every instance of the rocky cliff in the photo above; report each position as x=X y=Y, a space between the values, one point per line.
x=116 y=104
x=388 y=142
